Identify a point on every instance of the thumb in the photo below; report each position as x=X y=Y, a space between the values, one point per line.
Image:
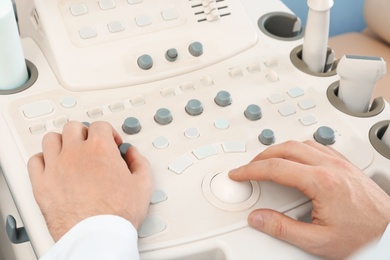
x=306 y=236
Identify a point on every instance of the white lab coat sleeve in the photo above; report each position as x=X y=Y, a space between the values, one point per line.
x=378 y=250
x=99 y=237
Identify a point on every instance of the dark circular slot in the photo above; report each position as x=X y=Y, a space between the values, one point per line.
x=33 y=76
x=281 y=26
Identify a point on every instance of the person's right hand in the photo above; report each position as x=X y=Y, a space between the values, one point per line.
x=349 y=209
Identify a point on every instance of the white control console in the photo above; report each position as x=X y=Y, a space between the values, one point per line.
x=199 y=87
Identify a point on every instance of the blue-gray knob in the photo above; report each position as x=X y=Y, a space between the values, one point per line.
x=325 y=135
x=253 y=112
x=267 y=137
x=196 y=49
x=131 y=125
x=123 y=149
x=223 y=98
x=145 y=62
x=194 y=107
x=171 y=54
x=163 y=116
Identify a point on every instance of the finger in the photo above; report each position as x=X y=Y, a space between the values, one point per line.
x=323 y=148
x=294 y=151
x=285 y=172
x=278 y=225
x=35 y=166
x=73 y=133
x=105 y=131
x=136 y=162
x=51 y=147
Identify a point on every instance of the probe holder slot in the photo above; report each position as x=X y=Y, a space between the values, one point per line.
x=32 y=78
x=281 y=26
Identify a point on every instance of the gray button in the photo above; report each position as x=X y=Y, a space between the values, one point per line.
x=325 y=135
x=267 y=137
x=160 y=142
x=163 y=116
x=158 y=196
x=196 y=49
x=194 y=107
x=253 y=112
x=152 y=224
x=145 y=62
x=123 y=148
x=131 y=125
x=223 y=98
x=171 y=54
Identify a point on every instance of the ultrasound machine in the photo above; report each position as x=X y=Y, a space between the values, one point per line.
x=199 y=87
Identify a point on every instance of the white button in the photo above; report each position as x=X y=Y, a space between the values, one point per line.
x=143 y=20
x=60 y=121
x=115 y=26
x=87 y=33
x=276 y=98
x=272 y=76
x=167 y=92
x=222 y=123
x=180 y=164
x=253 y=68
x=78 y=9
x=107 y=4
x=38 y=109
x=308 y=120
x=187 y=87
x=137 y=100
x=296 y=92
x=306 y=104
x=287 y=110
x=95 y=112
x=272 y=63
x=158 y=196
x=170 y=14
x=205 y=151
x=235 y=72
x=68 y=102
x=132 y=2
x=234 y=147
x=152 y=225
x=37 y=128
x=115 y=107
x=207 y=81
x=191 y=133
x=161 y=142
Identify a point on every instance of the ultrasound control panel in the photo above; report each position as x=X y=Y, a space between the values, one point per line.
x=199 y=87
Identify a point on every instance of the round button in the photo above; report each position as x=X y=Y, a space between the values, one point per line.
x=325 y=135
x=191 y=133
x=221 y=123
x=171 y=54
x=68 y=102
x=131 y=125
x=253 y=112
x=267 y=137
x=145 y=62
x=229 y=191
x=194 y=107
x=161 y=142
x=196 y=49
x=163 y=116
x=223 y=99
x=123 y=148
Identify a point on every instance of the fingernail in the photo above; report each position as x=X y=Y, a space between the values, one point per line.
x=256 y=220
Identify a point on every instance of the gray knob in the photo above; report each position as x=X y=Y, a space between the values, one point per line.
x=145 y=62
x=223 y=99
x=253 y=112
x=131 y=126
x=196 y=49
x=171 y=54
x=267 y=137
x=325 y=135
x=123 y=148
x=194 y=107
x=163 y=116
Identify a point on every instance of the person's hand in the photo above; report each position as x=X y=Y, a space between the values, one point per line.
x=349 y=209
x=81 y=173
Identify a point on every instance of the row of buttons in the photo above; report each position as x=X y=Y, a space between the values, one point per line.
x=82 y=9
x=145 y=61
